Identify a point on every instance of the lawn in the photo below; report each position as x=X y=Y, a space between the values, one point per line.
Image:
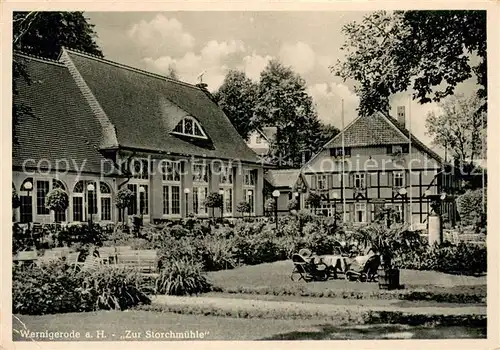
x=277 y=275
x=115 y=324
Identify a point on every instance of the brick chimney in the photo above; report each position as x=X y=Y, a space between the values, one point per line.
x=401 y=115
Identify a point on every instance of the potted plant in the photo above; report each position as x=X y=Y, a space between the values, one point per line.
x=243 y=207
x=57 y=200
x=213 y=200
x=391 y=242
x=124 y=198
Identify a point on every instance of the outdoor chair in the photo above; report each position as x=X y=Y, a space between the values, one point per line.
x=367 y=272
x=91 y=263
x=307 y=270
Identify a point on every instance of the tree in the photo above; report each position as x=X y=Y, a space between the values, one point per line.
x=457 y=128
x=214 y=200
x=427 y=51
x=43 y=34
x=243 y=207
x=313 y=200
x=57 y=200
x=124 y=199
x=237 y=97
x=283 y=102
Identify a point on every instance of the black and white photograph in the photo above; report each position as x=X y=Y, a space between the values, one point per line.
x=248 y=175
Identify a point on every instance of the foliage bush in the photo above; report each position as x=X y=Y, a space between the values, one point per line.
x=213 y=200
x=15 y=199
x=243 y=207
x=182 y=277
x=463 y=258
x=57 y=200
x=55 y=287
x=470 y=207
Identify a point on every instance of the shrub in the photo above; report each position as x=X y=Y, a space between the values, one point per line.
x=15 y=199
x=467 y=259
x=470 y=207
x=57 y=200
x=182 y=277
x=218 y=254
x=313 y=200
x=270 y=205
x=47 y=289
x=55 y=287
x=109 y=288
x=243 y=207
x=214 y=200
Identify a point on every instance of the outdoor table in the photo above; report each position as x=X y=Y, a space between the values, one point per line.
x=25 y=258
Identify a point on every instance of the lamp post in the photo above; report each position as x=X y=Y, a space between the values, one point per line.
x=276 y=194
x=403 y=192
x=335 y=196
x=141 y=203
x=28 y=186
x=221 y=194
x=90 y=190
x=186 y=192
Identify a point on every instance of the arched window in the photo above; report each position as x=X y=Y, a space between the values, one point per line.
x=105 y=192
x=190 y=127
x=84 y=199
x=78 y=206
x=26 y=207
x=59 y=216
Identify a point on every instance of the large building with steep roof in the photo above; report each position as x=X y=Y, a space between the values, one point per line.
x=98 y=126
x=379 y=169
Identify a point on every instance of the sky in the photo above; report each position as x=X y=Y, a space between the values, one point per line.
x=211 y=43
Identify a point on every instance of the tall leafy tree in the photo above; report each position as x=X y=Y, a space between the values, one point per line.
x=283 y=102
x=43 y=34
x=237 y=97
x=458 y=129
x=428 y=51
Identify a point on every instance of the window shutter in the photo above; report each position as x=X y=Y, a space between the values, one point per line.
x=330 y=181
x=351 y=179
x=313 y=182
x=368 y=180
x=389 y=179
x=369 y=207
x=406 y=179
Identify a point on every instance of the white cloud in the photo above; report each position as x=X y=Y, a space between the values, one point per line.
x=328 y=101
x=254 y=64
x=212 y=60
x=161 y=36
x=299 y=55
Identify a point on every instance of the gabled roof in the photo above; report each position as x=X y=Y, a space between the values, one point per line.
x=144 y=108
x=282 y=177
x=63 y=128
x=368 y=131
x=377 y=130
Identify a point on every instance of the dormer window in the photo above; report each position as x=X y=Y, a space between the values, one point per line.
x=190 y=127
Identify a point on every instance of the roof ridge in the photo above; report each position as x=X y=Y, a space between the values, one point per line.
x=135 y=69
x=411 y=135
x=38 y=58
